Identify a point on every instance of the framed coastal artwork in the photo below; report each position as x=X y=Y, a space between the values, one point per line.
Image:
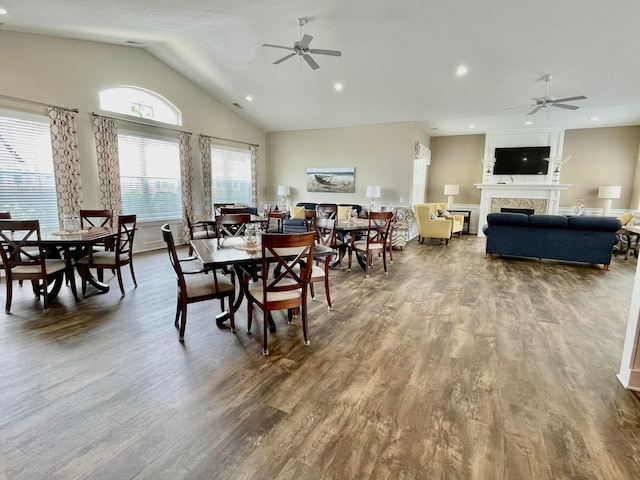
x=331 y=179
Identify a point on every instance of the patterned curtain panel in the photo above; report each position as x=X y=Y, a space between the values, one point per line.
x=254 y=174
x=105 y=130
x=186 y=175
x=205 y=156
x=66 y=160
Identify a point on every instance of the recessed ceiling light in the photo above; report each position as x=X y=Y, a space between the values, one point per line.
x=3 y=11
x=472 y=126
x=461 y=70
x=595 y=118
x=338 y=86
x=528 y=123
x=249 y=98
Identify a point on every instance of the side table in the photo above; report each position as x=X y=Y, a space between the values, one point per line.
x=466 y=221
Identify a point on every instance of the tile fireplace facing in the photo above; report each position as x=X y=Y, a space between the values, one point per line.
x=542 y=198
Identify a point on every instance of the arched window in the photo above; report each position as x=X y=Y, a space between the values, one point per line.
x=140 y=103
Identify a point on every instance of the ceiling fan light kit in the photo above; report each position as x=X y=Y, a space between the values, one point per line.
x=302 y=49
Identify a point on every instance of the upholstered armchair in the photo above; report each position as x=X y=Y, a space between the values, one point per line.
x=456 y=220
x=430 y=225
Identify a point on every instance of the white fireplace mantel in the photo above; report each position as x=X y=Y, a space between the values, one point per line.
x=547 y=191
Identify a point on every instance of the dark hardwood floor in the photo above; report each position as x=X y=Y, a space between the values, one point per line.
x=450 y=367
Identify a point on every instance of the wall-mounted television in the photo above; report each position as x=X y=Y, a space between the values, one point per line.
x=522 y=161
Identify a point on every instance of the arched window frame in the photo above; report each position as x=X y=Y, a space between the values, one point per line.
x=122 y=100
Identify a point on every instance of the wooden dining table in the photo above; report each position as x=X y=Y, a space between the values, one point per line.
x=71 y=247
x=232 y=252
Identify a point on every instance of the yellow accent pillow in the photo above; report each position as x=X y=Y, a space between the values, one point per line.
x=296 y=213
x=343 y=213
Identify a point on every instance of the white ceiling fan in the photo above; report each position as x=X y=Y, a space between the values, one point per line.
x=301 y=48
x=547 y=101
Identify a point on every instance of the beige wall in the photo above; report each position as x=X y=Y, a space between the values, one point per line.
x=599 y=156
x=381 y=154
x=456 y=160
x=70 y=73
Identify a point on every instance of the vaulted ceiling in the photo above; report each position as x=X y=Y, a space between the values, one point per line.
x=398 y=59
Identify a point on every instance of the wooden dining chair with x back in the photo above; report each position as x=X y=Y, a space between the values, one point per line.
x=195 y=284
x=286 y=268
x=374 y=242
x=115 y=259
x=23 y=258
x=325 y=235
x=231 y=225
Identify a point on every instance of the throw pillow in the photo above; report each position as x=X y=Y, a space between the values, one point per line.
x=433 y=216
x=343 y=212
x=296 y=213
x=444 y=213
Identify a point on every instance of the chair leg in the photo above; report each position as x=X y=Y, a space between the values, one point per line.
x=305 y=327
x=326 y=290
x=45 y=295
x=384 y=261
x=390 y=252
x=177 y=319
x=265 y=324
x=249 y=315
x=231 y=319
x=183 y=319
x=7 y=307
x=313 y=293
x=119 y=274
x=133 y=275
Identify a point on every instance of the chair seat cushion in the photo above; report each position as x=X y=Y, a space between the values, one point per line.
x=255 y=290
x=103 y=258
x=362 y=246
x=51 y=265
x=199 y=285
x=316 y=271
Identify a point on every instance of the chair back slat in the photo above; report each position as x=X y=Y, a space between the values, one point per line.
x=96 y=218
x=126 y=232
x=379 y=225
x=326 y=232
x=20 y=244
x=231 y=225
x=292 y=255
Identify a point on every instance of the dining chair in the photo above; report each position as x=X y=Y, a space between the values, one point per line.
x=115 y=259
x=325 y=235
x=197 y=285
x=198 y=230
x=23 y=258
x=95 y=218
x=218 y=206
x=233 y=210
x=391 y=228
x=327 y=210
x=310 y=220
x=231 y=225
x=374 y=242
x=291 y=256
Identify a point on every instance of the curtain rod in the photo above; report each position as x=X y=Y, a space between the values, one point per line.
x=34 y=102
x=167 y=127
x=230 y=140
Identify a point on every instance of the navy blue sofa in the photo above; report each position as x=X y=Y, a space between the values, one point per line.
x=293 y=225
x=588 y=239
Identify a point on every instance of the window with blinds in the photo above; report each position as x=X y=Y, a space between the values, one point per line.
x=27 y=184
x=230 y=175
x=150 y=176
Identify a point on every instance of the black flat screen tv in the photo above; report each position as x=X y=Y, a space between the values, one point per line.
x=522 y=161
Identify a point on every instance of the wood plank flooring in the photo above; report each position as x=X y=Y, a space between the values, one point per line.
x=450 y=367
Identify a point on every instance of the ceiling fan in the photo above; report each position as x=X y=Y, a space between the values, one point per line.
x=547 y=101
x=301 y=48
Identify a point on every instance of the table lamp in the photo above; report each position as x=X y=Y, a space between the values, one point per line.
x=373 y=192
x=451 y=190
x=608 y=193
x=284 y=191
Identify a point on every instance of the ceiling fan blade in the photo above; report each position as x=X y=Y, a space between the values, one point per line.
x=535 y=110
x=334 y=53
x=306 y=40
x=284 y=58
x=312 y=63
x=570 y=99
x=276 y=46
x=519 y=106
x=568 y=107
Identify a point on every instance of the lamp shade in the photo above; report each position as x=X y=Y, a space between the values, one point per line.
x=609 y=192
x=284 y=190
x=451 y=189
x=373 y=192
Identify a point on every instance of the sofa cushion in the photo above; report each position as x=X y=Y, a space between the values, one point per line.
x=296 y=213
x=592 y=222
x=508 y=219
x=307 y=205
x=548 y=221
x=343 y=212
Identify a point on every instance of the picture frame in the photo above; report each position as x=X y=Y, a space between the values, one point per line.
x=331 y=179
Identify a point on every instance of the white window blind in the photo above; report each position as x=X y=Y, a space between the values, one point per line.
x=150 y=176
x=230 y=175
x=27 y=184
